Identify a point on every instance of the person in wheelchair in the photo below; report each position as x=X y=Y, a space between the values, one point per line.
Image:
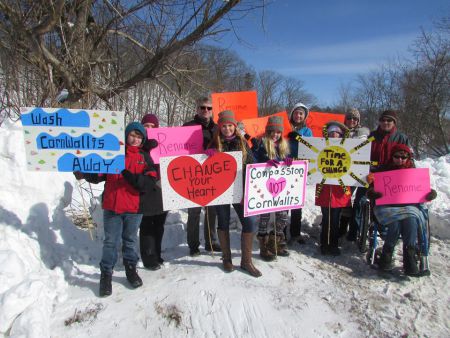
x=405 y=219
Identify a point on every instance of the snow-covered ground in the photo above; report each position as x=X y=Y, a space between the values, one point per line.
x=49 y=275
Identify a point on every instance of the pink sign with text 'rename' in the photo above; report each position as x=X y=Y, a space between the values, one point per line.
x=176 y=141
x=402 y=186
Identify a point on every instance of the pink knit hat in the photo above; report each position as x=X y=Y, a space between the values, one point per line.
x=151 y=118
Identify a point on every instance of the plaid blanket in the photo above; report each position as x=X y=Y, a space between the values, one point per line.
x=387 y=214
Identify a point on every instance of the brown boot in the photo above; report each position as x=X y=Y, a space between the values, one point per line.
x=224 y=240
x=246 y=260
x=277 y=245
x=264 y=251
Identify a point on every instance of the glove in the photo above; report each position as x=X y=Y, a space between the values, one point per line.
x=78 y=175
x=273 y=163
x=210 y=152
x=150 y=144
x=292 y=135
x=431 y=195
x=127 y=175
x=373 y=195
x=288 y=161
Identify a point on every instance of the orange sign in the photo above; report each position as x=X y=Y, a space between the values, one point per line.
x=256 y=127
x=244 y=105
x=316 y=121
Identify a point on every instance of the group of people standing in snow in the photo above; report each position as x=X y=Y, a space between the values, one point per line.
x=132 y=200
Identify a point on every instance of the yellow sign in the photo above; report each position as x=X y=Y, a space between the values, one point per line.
x=334 y=162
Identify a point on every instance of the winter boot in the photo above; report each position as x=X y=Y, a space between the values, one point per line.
x=132 y=275
x=149 y=255
x=105 y=284
x=277 y=245
x=385 y=261
x=246 y=252
x=224 y=239
x=409 y=261
x=264 y=252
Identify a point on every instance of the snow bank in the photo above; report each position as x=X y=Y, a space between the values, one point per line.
x=439 y=209
x=37 y=242
x=49 y=271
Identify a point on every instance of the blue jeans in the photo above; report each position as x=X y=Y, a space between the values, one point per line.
x=223 y=217
x=329 y=235
x=407 y=228
x=117 y=226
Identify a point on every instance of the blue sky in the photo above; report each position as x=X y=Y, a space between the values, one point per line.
x=326 y=43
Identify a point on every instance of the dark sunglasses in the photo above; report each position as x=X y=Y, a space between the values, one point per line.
x=352 y=118
x=204 y=107
x=400 y=156
x=387 y=120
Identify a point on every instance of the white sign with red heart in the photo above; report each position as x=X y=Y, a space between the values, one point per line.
x=269 y=189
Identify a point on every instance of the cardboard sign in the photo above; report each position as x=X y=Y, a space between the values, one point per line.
x=257 y=126
x=59 y=139
x=244 y=105
x=199 y=180
x=316 y=120
x=175 y=141
x=343 y=162
x=270 y=189
x=402 y=186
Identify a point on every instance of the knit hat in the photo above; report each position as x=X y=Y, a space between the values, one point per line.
x=335 y=126
x=409 y=163
x=151 y=118
x=135 y=126
x=275 y=123
x=353 y=113
x=401 y=147
x=226 y=116
x=299 y=105
x=389 y=114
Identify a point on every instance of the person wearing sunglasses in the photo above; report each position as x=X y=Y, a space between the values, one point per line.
x=386 y=137
x=352 y=215
x=405 y=219
x=203 y=118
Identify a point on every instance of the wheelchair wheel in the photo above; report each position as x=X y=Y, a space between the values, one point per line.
x=364 y=230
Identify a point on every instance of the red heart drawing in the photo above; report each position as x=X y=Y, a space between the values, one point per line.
x=202 y=183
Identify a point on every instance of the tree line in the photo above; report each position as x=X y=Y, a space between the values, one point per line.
x=152 y=56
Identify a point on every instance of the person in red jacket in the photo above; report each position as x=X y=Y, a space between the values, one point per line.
x=122 y=212
x=386 y=137
x=331 y=199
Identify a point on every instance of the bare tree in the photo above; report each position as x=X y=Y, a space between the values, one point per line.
x=426 y=92
x=100 y=49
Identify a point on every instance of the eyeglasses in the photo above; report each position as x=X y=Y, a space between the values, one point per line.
x=205 y=107
x=387 y=120
x=400 y=157
x=352 y=118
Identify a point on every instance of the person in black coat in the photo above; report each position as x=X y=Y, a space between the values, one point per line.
x=151 y=230
x=204 y=119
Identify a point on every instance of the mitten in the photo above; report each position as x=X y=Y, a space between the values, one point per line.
x=370 y=178
x=431 y=195
x=288 y=161
x=78 y=175
x=292 y=135
x=210 y=152
x=149 y=144
x=373 y=195
x=273 y=163
x=127 y=175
